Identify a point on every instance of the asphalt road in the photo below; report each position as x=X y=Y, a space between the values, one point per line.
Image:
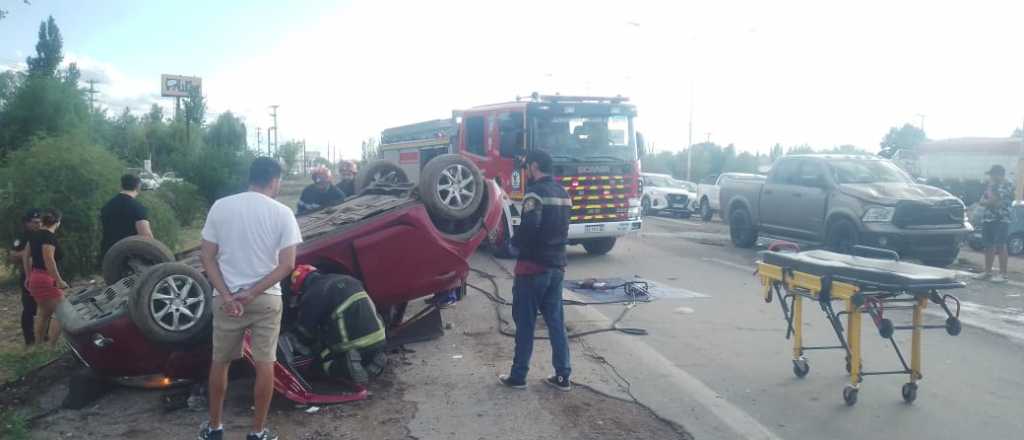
x=721 y=367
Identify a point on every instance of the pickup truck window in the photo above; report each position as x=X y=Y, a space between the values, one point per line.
x=810 y=174
x=710 y=180
x=867 y=171
x=784 y=172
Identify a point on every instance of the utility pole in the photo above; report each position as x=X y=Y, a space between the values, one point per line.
x=708 y=140
x=304 y=167
x=922 y=121
x=259 y=141
x=274 y=115
x=689 y=138
x=92 y=91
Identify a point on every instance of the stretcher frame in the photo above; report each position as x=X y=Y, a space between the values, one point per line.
x=792 y=287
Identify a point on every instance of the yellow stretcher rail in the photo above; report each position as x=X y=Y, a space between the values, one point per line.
x=859 y=297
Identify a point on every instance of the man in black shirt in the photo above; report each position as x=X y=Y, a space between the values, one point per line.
x=31 y=222
x=123 y=216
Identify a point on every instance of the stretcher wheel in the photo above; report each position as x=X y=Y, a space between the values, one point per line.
x=801 y=367
x=909 y=392
x=953 y=326
x=850 y=395
x=885 y=328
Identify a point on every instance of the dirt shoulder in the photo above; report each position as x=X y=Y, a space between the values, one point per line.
x=444 y=388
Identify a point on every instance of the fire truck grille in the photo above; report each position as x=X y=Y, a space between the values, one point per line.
x=598 y=198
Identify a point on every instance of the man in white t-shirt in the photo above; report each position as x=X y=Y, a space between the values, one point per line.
x=249 y=242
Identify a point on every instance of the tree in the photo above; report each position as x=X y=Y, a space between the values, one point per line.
x=228 y=132
x=72 y=75
x=776 y=152
x=41 y=106
x=194 y=107
x=289 y=153
x=906 y=137
x=10 y=81
x=371 y=150
x=49 y=50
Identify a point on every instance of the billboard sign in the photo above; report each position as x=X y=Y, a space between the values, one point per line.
x=178 y=85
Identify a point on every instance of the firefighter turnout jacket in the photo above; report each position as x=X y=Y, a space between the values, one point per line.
x=336 y=313
x=543 y=230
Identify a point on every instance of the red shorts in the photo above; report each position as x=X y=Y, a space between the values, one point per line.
x=42 y=286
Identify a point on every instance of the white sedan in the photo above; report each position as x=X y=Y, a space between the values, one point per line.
x=662 y=193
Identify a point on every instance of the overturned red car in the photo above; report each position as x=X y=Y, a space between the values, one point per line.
x=402 y=240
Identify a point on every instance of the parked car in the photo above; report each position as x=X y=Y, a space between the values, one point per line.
x=707 y=191
x=841 y=201
x=1016 y=244
x=170 y=177
x=150 y=180
x=662 y=193
x=403 y=241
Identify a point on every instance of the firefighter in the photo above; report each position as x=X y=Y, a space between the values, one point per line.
x=339 y=323
x=321 y=193
x=347 y=170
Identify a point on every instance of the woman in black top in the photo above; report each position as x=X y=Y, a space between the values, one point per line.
x=44 y=280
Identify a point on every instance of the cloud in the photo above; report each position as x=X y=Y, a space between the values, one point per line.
x=117 y=90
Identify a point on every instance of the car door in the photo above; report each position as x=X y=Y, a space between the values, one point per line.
x=809 y=199
x=776 y=197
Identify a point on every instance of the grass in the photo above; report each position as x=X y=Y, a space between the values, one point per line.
x=13 y=426
x=15 y=364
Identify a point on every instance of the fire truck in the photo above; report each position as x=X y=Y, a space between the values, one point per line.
x=592 y=140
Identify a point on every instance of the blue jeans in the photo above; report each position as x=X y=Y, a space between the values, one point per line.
x=531 y=293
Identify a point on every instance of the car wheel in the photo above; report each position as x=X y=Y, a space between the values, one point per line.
x=705 y=210
x=172 y=304
x=451 y=187
x=645 y=206
x=741 y=229
x=842 y=237
x=379 y=171
x=133 y=255
x=599 y=246
x=1016 y=244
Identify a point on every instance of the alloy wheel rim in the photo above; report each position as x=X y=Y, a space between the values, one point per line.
x=456 y=187
x=177 y=302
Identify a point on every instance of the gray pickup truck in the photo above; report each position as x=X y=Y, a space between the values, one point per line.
x=840 y=201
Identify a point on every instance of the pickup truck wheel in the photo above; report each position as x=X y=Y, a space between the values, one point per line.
x=172 y=304
x=842 y=237
x=599 y=246
x=451 y=187
x=379 y=171
x=133 y=255
x=705 y=210
x=741 y=229
x=1016 y=244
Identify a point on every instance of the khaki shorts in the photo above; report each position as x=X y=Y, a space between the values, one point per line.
x=262 y=317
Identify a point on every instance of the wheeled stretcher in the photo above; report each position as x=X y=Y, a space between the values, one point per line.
x=870 y=282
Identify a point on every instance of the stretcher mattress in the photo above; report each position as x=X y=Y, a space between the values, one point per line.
x=868 y=273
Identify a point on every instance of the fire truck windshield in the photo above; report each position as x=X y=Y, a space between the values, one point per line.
x=586 y=137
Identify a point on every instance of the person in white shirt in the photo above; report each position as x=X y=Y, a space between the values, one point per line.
x=248 y=246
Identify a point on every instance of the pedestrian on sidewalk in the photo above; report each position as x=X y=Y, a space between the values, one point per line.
x=123 y=216
x=248 y=247
x=541 y=240
x=995 y=224
x=30 y=222
x=44 y=280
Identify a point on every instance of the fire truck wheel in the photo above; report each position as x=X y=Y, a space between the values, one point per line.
x=379 y=171
x=451 y=187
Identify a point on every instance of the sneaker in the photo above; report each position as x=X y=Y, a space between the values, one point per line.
x=984 y=276
x=998 y=279
x=508 y=381
x=205 y=433
x=266 y=434
x=559 y=382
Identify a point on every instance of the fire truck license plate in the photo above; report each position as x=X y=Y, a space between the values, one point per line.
x=594 y=228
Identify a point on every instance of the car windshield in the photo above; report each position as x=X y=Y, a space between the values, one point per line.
x=587 y=137
x=658 y=181
x=867 y=171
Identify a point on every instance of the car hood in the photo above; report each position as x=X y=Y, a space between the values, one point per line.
x=667 y=190
x=892 y=193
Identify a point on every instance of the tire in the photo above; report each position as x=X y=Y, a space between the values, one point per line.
x=598 y=246
x=133 y=255
x=1016 y=244
x=741 y=229
x=172 y=304
x=379 y=171
x=942 y=260
x=451 y=187
x=705 y=210
x=842 y=236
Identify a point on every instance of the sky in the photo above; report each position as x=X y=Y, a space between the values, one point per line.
x=757 y=73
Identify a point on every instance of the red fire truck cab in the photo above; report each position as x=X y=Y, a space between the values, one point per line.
x=592 y=140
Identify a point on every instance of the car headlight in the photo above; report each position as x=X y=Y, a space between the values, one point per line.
x=878 y=214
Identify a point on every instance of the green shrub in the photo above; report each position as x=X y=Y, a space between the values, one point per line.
x=162 y=219
x=185 y=200
x=68 y=173
x=218 y=173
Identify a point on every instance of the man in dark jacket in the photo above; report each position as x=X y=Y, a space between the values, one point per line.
x=541 y=240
